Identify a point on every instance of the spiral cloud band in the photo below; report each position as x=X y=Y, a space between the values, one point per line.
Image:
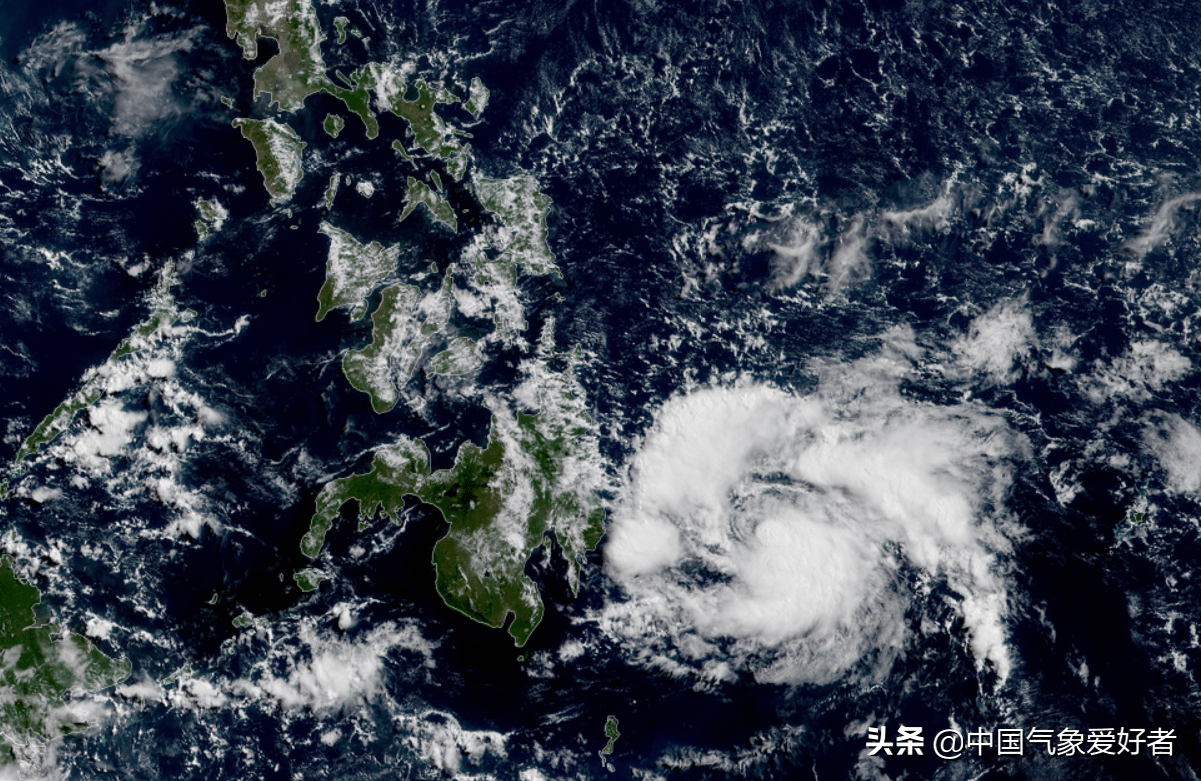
x=791 y=533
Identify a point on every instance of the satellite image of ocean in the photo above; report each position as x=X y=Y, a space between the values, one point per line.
x=555 y=390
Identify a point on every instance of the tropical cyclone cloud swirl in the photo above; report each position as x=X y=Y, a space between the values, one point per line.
x=793 y=532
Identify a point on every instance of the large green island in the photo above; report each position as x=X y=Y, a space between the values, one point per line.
x=41 y=663
x=500 y=501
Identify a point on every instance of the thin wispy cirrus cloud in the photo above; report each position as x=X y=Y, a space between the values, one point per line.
x=804 y=253
x=802 y=250
x=1159 y=227
x=139 y=73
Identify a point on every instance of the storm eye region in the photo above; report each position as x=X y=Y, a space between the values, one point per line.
x=765 y=531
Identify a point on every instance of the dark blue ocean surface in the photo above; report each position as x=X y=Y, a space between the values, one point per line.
x=978 y=155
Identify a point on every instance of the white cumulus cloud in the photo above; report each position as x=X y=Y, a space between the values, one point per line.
x=1176 y=444
x=996 y=342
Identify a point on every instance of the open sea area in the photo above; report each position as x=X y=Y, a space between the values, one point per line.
x=635 y=390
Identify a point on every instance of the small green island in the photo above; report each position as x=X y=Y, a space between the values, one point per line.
x=331 y=191
x=41 y=664
x=309 y=579
x=477 y=98
x=612 y=734
x=210 y=216
x=333 y=125
x=419 y=193
x=340 y=25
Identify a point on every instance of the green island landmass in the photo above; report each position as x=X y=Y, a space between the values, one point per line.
x=522 y=210
x=457 y=166
x=1137 y=514
x=519 y=245
x=399 y=148
x=299 y=69
x=461 y=356
x=430 y=131
x=495 y=277
x=353 y=270
x=97 y=381
x=340 y=24
x=309 y=579
x=355 y=94
x=499 y=501
x=210 y=216
x=404 y=326
x=278 y=151
x=612 y=734
x=184 y=672
x=418 y=193
x=41 y=663
x=399 y=337
x=477 y=98
x=333 y=125
x=330 y=191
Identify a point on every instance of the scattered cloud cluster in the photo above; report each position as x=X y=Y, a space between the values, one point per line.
x=331 y=672
x=1146 y=367
x=801 y=248
x=996 y=342
x=835 y=249
x=110 y=430
x=156 y=449
x=453 y=751
x=135 y=81
x=314 y=672
x=141 y=73
x=135 y=437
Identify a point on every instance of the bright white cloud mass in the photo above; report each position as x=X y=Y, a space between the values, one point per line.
x=1176 y=444
x=790 y=530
